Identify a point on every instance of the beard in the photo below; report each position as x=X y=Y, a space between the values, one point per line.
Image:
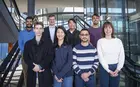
x=29 y=26
x=85 y=40
x=96 y=23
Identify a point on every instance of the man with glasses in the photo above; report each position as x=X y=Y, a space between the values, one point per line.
x=85 y=61
x=95 y=30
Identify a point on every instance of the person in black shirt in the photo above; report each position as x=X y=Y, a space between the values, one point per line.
x=38 y=55
x=73 y=33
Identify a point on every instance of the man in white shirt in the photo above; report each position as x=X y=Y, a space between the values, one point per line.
x=49 y=32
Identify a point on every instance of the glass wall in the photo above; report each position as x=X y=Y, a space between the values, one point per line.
x=124 y=14
x=62 y=15
x=3 y=50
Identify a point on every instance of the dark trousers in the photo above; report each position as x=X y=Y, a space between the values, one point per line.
x=79 y=82
x=106 y=80
x=44 y=79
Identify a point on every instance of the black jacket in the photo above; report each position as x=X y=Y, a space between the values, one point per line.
x=41 y=54
x=73 y=38
x=47 y=33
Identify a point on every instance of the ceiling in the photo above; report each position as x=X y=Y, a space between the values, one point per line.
x=22 y=4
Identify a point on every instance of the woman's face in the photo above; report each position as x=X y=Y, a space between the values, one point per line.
x=108 y=30
x=60 y=34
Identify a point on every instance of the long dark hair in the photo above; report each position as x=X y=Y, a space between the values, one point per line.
x=65 y=42
x=105 y=25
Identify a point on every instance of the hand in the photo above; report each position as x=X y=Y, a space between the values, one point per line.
x=41 y=70
x=86 y=80
x=111 y=73
x=85 y=75
x=36 y=68
x=116 y=72
x=58 y=80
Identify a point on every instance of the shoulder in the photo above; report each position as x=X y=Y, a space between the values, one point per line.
x=46 y=28
x=29 y=43
x=22 y=31
x=118 y=40
x=77 y=46
x=101 y=39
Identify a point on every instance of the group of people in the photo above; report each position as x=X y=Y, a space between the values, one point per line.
x=56 y=57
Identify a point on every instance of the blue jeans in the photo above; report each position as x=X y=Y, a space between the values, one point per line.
x=106 y=80
x=67 y=82
x=79 y=82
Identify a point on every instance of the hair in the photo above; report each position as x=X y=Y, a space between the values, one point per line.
x=65 y=37
x=95 y=15
x=84 y=29
x=29 y=17
x=105 y=25
x=71 y=19
x=39 y=23
x=51 y=15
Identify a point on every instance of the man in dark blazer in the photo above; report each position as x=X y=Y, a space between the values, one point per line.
x=49 y=32
x=38 y=54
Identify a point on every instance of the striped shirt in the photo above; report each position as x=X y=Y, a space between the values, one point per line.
x=85 y=59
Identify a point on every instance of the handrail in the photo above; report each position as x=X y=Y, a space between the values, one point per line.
x=8 y=58
x=76 y=16
x=8 y=68
x=13 y=71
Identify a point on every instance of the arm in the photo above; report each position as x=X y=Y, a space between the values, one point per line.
x=121 y=57
x=96 y=63
x=20 y=42
x=76 y=68
x=68 y=65
x=54 y=69
x=101 y=57
x=27 y=58
x=48 y=56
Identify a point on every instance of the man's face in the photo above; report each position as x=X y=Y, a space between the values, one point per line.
x=95 y=20
x=71 y=25
x=29 y=23
x=52 y=21
x=84 y=36
x=38 y=29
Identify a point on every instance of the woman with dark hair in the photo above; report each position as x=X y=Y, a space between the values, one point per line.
x=62 y=64
x=111 y=57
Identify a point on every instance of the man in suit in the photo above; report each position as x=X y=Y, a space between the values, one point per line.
x=49 y=32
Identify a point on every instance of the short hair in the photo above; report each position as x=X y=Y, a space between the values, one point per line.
x=51 y=15
x=71 y=19
x=105 y=25
x=95 y=15
x=29 y=17
x=84 y=29
x=39 y=23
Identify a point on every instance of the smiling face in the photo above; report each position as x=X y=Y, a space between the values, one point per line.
x=60 y=34
x=108 y=30
x=84 y=36
x=29 y=23
x=95 y=20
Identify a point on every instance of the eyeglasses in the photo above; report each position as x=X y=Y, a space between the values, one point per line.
x=84 y=34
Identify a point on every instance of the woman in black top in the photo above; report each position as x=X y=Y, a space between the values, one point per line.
x=62 y=64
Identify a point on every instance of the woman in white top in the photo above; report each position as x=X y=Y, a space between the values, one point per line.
x=111 y=57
